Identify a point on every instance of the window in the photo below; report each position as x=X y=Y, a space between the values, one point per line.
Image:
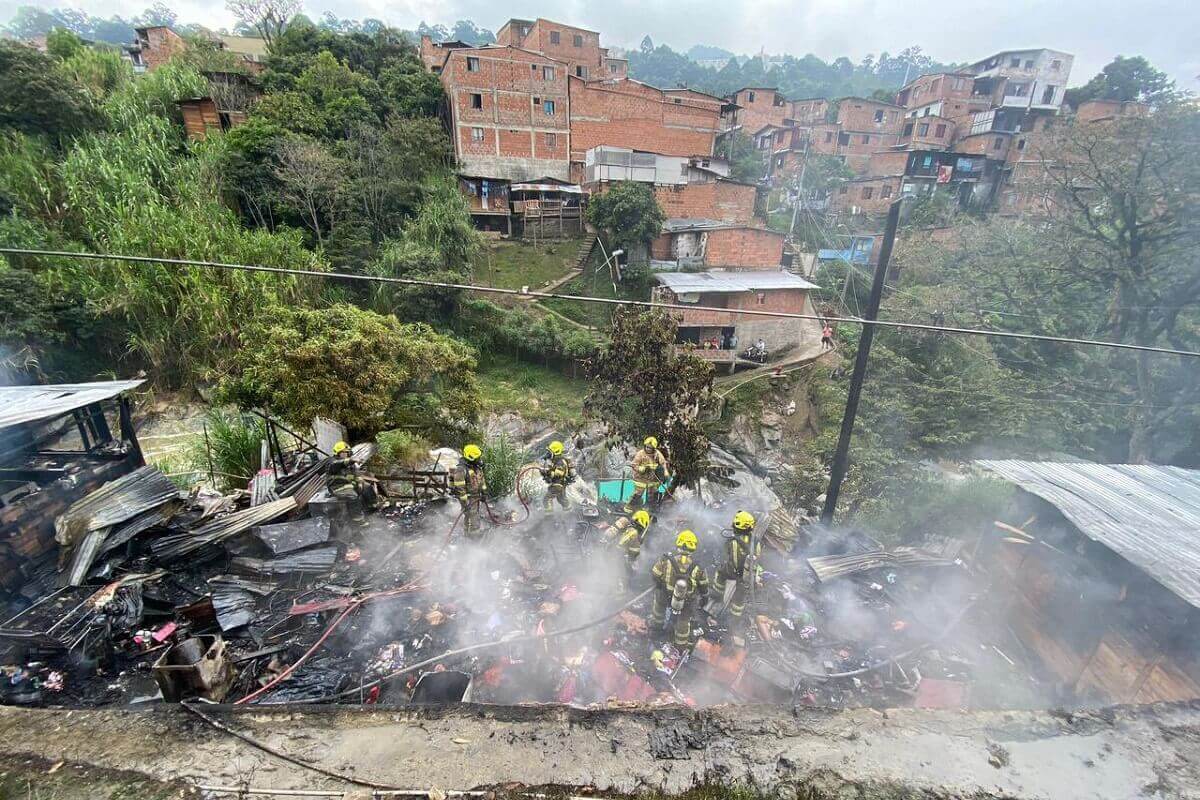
x=762 y=298
x=937 y=84
x=866 y=139
x=555 y=38
x=779 y=101
x=996 y=145
x=472 y=64
x=908 y=129
x=577 y=40
x=678 y=101
x=476 y=134
x=1056 y=65
x=476 y=101
x=1018 y=90
x=1029 y=63
x=1048 y=95
x=551 y=140
x=939 y=131
x=1015 y=62
x=547 y=73
x=879 y=115
x=886 y=191
x=537 y=101
x=923 y=129
x=868 y=193
x=828 y=137
x=843 y=138
x=581 y=71
x=1020 y=144
x=843 y=190
x=548 y=107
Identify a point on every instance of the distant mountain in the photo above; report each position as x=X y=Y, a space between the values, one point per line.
x=706 y=51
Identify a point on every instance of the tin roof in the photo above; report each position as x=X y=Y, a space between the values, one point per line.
x=21 y=404
x=717 y=280
x=1149 y=515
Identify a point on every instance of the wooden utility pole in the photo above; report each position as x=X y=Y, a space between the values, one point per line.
x=841 y=456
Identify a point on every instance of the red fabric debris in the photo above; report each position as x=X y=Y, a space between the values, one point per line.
x=163 y=633
x=616 y=680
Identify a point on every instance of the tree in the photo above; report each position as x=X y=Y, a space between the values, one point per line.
x=1125 y=79
x=647 y=45
x=643 y=386
x=365 y=370
x=62 y=44
x=745 y=162
x=268 y=17
x=37 y=97
x=628 y=213
x=312 y=181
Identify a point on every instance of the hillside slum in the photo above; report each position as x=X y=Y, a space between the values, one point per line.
x=286 y=592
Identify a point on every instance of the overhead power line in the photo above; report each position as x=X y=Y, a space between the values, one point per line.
x=311 y=273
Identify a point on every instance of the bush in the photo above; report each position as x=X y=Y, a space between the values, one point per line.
x=400 y=448
x=234 y=448
x=501 y=461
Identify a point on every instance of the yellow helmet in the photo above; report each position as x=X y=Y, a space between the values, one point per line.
x=555 y=448
x=642 y=518
x=650 y=441
x=340 y=448
x=472 y=452
x=686 y=540
x=743 y=520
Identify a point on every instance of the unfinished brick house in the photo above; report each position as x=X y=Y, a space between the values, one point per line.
x=155 y=45
x=693 y=242
x=722 y=336
x=757 y=106
x=578 y=48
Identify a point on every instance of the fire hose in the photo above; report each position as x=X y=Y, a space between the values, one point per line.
x=533 y=637
x=488 y=508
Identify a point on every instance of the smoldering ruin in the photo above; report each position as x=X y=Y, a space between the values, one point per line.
x=128 y=591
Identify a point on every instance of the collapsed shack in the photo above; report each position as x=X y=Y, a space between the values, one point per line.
x=1101 y=570
x=286 y=592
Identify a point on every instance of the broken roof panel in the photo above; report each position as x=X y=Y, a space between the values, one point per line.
x=722 y=281
x=1149 y=515
x=22 y=404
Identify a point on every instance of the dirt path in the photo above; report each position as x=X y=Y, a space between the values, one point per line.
x=1118 y=753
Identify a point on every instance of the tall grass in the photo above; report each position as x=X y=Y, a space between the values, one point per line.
x=501 y=460
x=233 y=449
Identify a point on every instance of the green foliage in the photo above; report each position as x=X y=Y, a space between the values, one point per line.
x=628 y=213
x=365 y=370
x=938 y=505
x=233 y=448
x=38 y=97
x=501 y=461
x=399 y=449
x=641 y=386
x=100 y=72
x=745 y=161
x=520 y=333
x=1125 y=79
x=63 y=44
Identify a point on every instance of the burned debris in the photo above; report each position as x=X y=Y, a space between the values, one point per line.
x=294 y=591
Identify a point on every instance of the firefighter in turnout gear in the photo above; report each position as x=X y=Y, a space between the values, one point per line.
x=738 y=560
x=628 y=534
x=681 y=585
x=557 y=472
x=470 y=486
x=649 y=467
x=346 y=477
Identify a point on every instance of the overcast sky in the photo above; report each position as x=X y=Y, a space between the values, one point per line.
x=1094 y=30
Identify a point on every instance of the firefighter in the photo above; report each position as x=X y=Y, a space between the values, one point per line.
x=737 y=559
x=470 y=486
x=629 y=534
x=649 y=467
x=680 y=584
x=557 y=472
x=346 y=476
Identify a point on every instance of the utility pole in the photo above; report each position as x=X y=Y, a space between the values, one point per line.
x=841 y=456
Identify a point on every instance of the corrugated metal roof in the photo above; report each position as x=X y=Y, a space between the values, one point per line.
x=723 y=281
x=1149 y=515
x=21 y=404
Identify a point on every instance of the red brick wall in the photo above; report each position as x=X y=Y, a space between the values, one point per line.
x=807 y=112
x=507 y=82
x=930 y=140
x=625 y=113
x=723 y=200
x=760 y=111
x=858 y=114
x=587 y=55
x=744 y=247
x=891 y=162
x=984 y=144
x=930 y=88
x=790 y=300
x=870 y=195
x=1094 y=110
x=163 y=44
x=824 y=138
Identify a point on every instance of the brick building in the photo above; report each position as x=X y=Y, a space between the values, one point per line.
x=757 y=106
x=722 y=335
x=717 y=244
x=155 y=45
x=578 y=48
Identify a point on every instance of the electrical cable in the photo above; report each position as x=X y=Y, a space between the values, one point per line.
x=475 y=647
x=884 y=323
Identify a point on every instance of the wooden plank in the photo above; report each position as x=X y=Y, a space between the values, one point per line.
x=1166 y=682
x=1115 y=670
